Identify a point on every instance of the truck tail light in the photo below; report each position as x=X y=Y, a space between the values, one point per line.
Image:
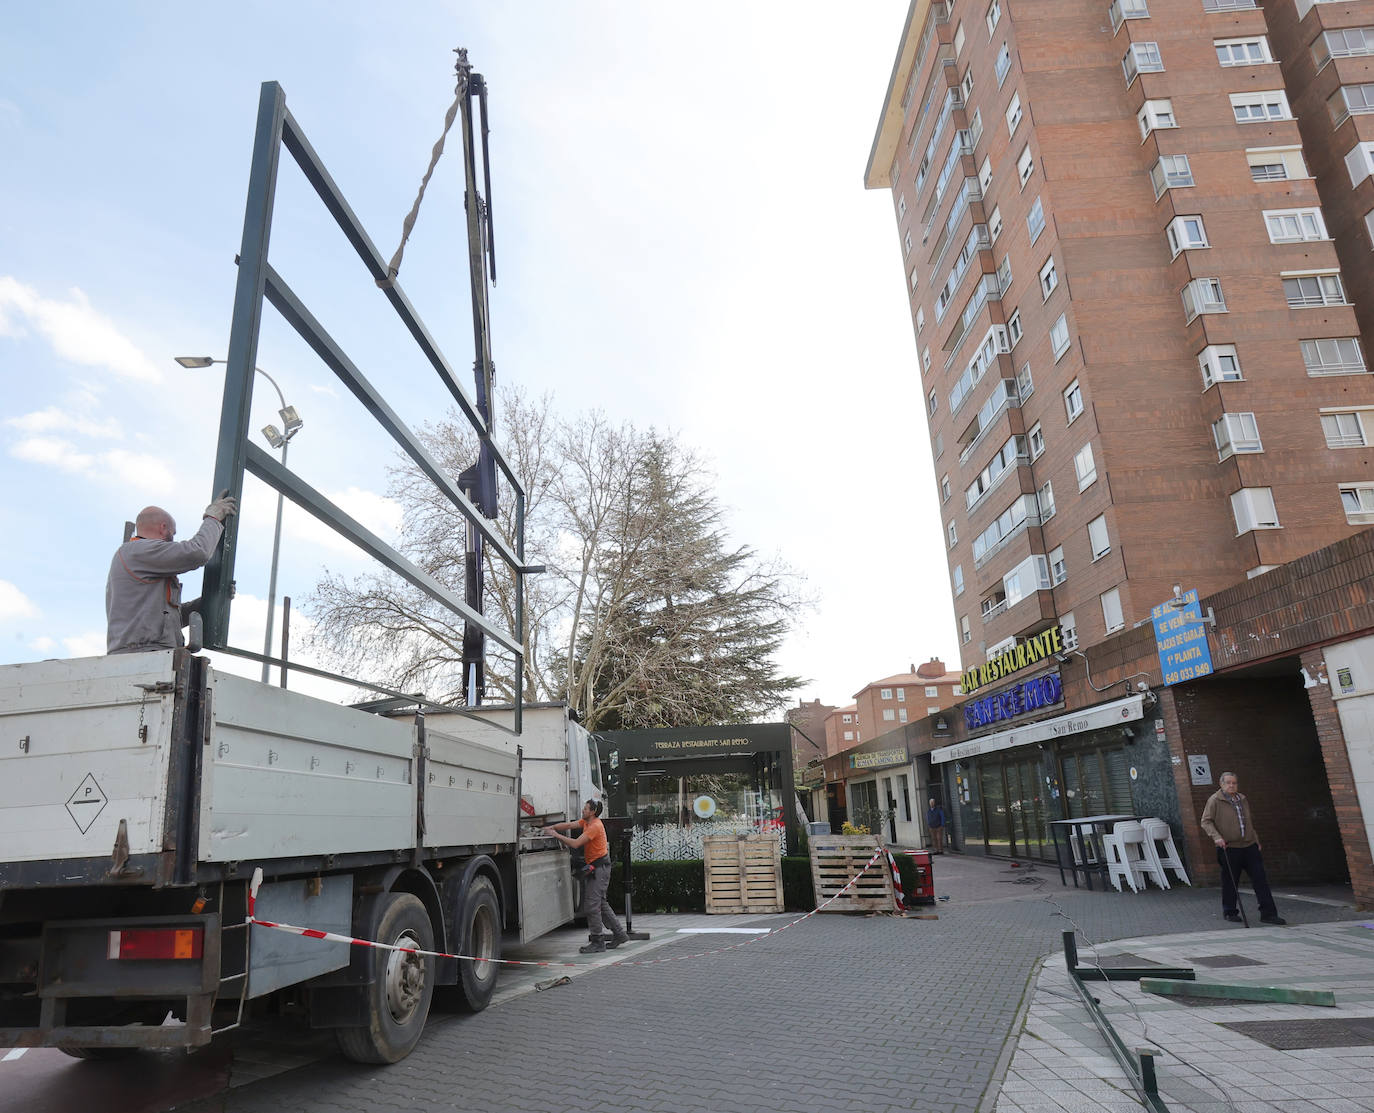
x=164 y=943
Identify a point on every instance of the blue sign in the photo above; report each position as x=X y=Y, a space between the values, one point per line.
x=1181 y=639
x=1030 y=695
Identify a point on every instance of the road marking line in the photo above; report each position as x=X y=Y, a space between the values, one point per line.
x=721 y=931
x=14 y=1054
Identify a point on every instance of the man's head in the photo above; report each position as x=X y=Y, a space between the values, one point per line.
x=591 y=809
x=155 y=524
x=932 y=802
x=1229 y=783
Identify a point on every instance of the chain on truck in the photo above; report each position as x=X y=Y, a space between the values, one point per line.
x=147 y=787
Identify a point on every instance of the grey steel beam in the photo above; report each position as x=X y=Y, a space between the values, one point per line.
x=266 y=468
x=313 y=333
x=218 y=581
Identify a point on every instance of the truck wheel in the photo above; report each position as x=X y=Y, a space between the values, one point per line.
x=481 y=936
x=397 y=1001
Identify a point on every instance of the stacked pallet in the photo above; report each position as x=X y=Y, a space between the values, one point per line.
x=837 y=858
x=743 y=873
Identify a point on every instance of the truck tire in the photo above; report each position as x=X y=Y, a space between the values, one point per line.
x=480 y=923
x=397 y=1001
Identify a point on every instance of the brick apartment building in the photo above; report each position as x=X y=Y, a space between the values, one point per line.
x=842 y=729
x=882 y=705
x=1135 y=235
x=807 y=721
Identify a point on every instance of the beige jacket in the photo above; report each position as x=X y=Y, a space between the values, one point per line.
x=143 y=608
x=1220 y=821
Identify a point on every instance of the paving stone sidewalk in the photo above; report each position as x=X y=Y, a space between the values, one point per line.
x=841 y=1013
x=1062 y=1062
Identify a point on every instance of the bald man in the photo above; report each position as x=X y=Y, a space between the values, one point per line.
x=143 y=607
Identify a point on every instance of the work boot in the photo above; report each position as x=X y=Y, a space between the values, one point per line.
x=595 y=946
x=1234 y=917
x=1275 y=919
x=617 y=939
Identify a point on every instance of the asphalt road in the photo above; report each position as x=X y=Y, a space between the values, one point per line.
x=842 y=1013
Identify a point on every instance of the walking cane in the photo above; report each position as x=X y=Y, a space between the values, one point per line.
x=1226 y=861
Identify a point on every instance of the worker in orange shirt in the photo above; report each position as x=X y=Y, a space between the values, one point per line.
x=592 y=840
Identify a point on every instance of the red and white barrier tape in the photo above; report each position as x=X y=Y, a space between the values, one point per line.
x=333 y=937
x=897 y=898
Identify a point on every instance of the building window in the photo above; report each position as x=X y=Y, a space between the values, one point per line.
x=1035 y=220
x=1014 y=328
x=1357 y=499
x=1309 y=291
x=959 y=39
x=939 y=445
x=1259 y=107
x=958 y=580
x=925 y=358
x=932 y=402
x=953 y=534
x=1155 y=115
x=995 y=223
x=1025 y=386
x=1059 y=572
x=1111 y=610
x=1185 y=233
x=920 y=320
x=906 y=242
x=994 y=14
x=1085 y=467
x=1333 y=356
x=1294 y=225
x=932 y=692
x=1097 y=537
x=985 y=175
x=1003 y=64
x=1073 y=401
x=1359 y=161
x=1059 y=338
x=1068 y=629
x=1049 y=278
x=1219 y=364
x=901 y=695
x=975 y=127
x=901 y=718
x=1344 y=430
x=1350 y=42
x=1004 y=273
x=1170 y=172
x=849 y=736
x=1350 y=100
x=1036 y=439
x=1122 y=10
x=1226 y=5
x=1025 y=165
x=1253 y=508
x=945 y=490
x=1203 y=295
x=1141 y=58
x=1014 y=113
x=901 y=208
x=889 y=714
x=1236 y=433
x=966 y=85
x=1276 y=164
x=1369 y=226
x=1243 y=52
x=848 y=718
x=1045 y=498
x=965 y=634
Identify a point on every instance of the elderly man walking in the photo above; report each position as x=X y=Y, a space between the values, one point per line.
x=143 y=607
x=1226 y=819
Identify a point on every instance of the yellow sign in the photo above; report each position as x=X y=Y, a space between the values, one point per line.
x=1025 y=652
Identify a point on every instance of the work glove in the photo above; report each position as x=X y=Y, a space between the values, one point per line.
x=222 y=507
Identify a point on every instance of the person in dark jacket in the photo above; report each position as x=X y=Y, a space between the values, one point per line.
x=935 y=820
x=1226 y=819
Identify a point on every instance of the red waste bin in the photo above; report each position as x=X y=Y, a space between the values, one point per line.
x=924 y=893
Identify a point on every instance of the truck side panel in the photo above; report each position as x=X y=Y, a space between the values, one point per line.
x=546 y=892
x=287 y=775
x=469 y=792
x=88 y=744
x=279 y=959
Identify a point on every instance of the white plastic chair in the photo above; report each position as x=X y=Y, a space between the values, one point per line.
x=1119 y=863
x=1157 y=832
x=1139 y=853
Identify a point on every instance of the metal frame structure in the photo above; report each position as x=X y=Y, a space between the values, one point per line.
x=258 y=282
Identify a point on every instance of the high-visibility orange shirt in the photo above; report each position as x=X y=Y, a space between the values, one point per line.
x=594 y=849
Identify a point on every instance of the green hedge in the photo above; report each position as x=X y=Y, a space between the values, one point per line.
x=680 y=886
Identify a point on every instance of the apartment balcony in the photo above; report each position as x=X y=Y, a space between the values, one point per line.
x=989 y=289
x=1033 y=612
x=1003 y=397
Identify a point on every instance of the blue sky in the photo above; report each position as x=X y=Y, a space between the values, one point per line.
x=683 y=239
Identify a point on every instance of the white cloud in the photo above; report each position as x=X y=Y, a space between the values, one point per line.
x=76 y=330
x=55 y=420
x=14 y=603
x=43 y=644
x=326 y=389
x=377 y=512
x=89 y=644
x=139 y=470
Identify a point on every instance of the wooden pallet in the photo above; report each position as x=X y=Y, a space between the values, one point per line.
x=743 y=873
x=837 y=858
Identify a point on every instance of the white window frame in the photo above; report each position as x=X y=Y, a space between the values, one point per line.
x=1141 y=57
x=965 y=633
x=920 y=319
x=1313 y=289
x=1099 y=539
x=1295 y=225
x=1060 y=340
x=1344 y=429
x=1359 y=162
x=1035 y=440
x=1002 y=65
x=1355 y=42
x=1035 y=220
x=1044 y=499
x=1342 y=104
x=952 y=532
x=959 y=37
x=1202 y=295
x=1025 y=385
x=1013 y=114
x=889 y=714
x=1059 y=570
x=1272 y=105
x=1186 y=233
x=1357 y=500
x=1049 y=279
x=1230 y=53
x=946 y=489
x=1004 y=275
x=1236 y=434
x=1073 y=401
x=1156 y=115
x=1014 y=328
x=1068 y=630
x=1253 y=509
x=1025 y=165
x=1085 y=467
x=1112 y=617
x=1122 y=10
x=995 y=224
x=901 y=205
x=906 y=243
x=958 y=580
x=1315 y=353
x=1219 y=363
x=1163 y=178
x=993 y=15
x=985 y=174
x=884 y=693
x=932 y=403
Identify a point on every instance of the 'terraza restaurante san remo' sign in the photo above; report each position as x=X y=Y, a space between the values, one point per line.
x=1025 y=652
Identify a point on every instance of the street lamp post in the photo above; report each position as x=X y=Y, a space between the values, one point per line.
x=277 y=438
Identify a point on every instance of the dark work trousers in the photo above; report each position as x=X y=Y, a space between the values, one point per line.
x=1249 y=860
x=595 y=907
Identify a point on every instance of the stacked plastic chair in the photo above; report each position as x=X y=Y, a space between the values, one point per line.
x=1158 y=832
x=1119 y=865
